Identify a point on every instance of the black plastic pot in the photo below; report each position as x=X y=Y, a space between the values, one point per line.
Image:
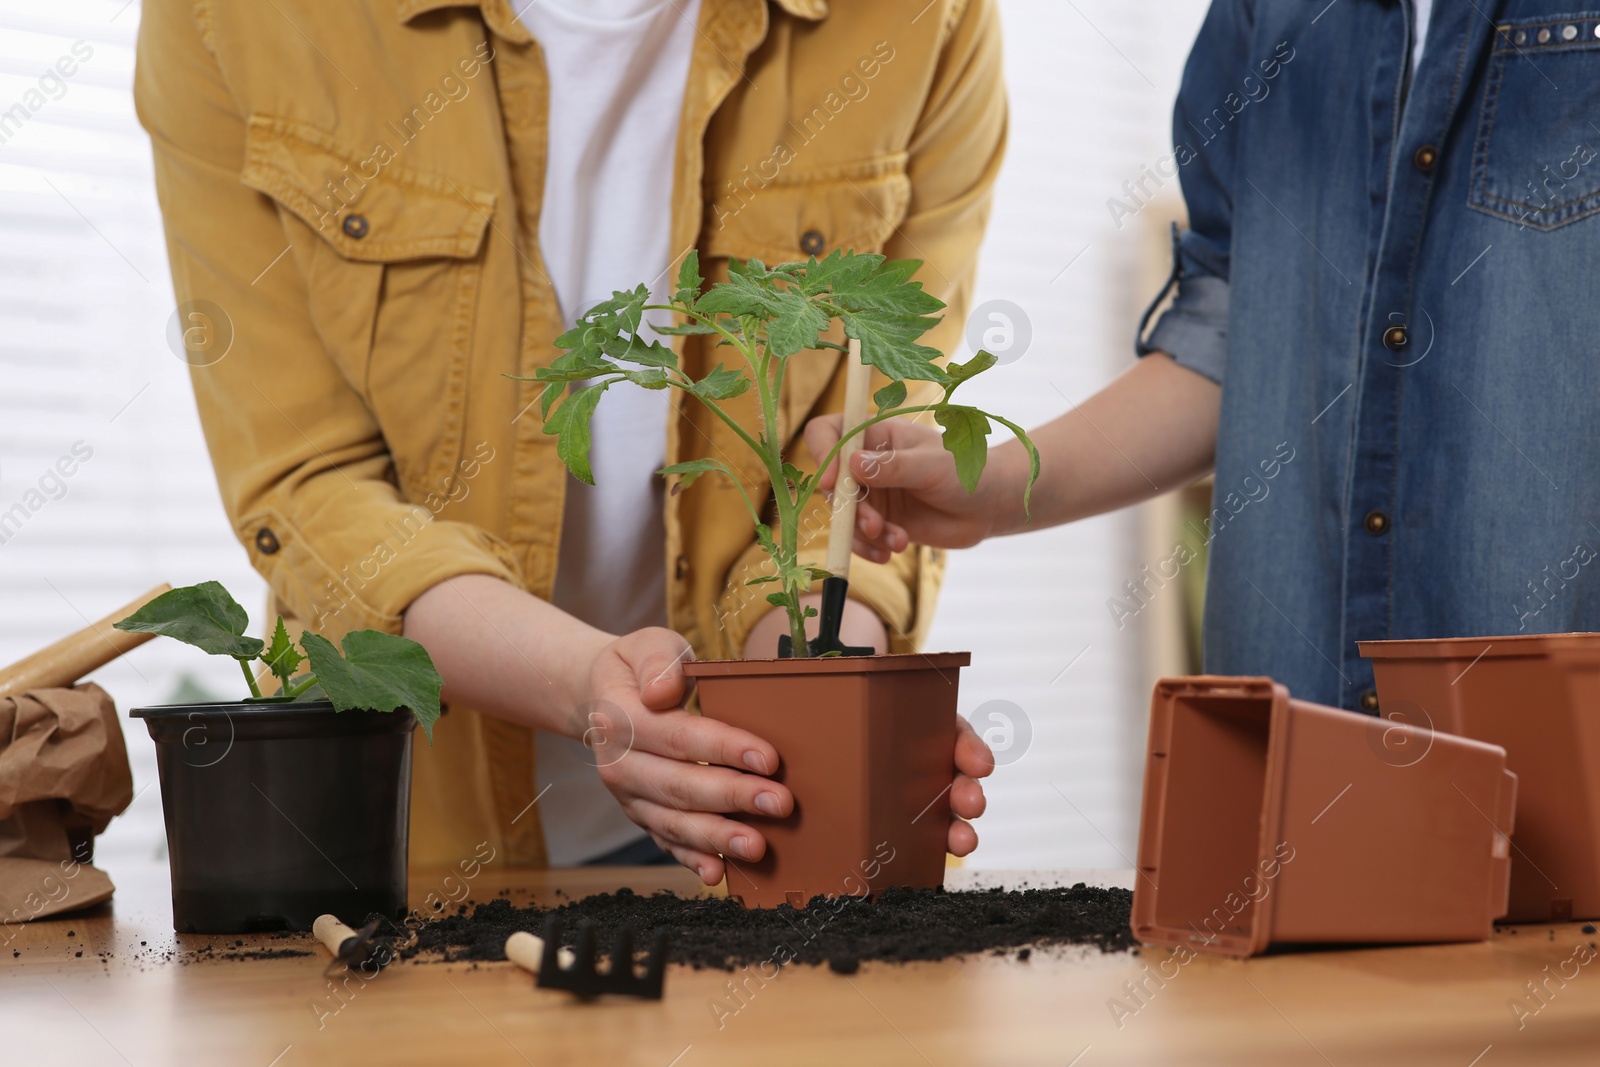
x=279 y=813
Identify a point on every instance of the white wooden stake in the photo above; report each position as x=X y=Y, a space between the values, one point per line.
x=846 y=491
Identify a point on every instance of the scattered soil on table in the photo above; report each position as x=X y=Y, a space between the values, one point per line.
x=903 y=925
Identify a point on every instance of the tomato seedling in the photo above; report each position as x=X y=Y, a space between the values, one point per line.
x=768 y=316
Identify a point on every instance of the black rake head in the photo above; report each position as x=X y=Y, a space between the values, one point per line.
x=584 y=978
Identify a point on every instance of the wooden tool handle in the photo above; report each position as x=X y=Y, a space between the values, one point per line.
x=846 y=491
x=527 y=951
x=332 y=933
x=76 y=655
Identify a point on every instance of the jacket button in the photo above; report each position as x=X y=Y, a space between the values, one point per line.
x=1376 y=523
x=681 y=568
x=266 y=541
x=1368 y=700
x=812 y=242
x=1425 y=157
x=1394 y=338
x=355 y=226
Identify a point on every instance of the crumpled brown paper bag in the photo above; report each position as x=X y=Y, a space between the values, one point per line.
x=63 y=776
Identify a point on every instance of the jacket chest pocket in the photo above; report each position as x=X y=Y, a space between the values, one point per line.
x=390 y=259
x=1536 y=158
x=856 y=208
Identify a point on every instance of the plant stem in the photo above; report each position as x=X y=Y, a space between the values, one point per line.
x=255 y=690
x=305 y=683
x=797 y=630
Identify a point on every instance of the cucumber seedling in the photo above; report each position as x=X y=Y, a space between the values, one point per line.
x=375 y=672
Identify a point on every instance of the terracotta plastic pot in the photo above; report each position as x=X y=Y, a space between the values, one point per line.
x=866 y=745
x=1538 y=696
x=1270 y=821
x=278 y=813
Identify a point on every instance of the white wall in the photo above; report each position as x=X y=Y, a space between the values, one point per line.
x=1091 y=84
x=85 y=301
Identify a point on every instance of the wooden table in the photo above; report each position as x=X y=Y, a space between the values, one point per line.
x=1447 y=1005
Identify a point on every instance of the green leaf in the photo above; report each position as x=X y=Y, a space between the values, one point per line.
x=889 y=342
x=721 y=384
x=552 y=392
x=570 y=423
x=778 y=600
x=838 y=273
x=686 y=329
x=966 y=437
x=378 y=672
x=890 y=396
x=1033 y=460
x=748 y=291
x=763 y=580
x=689 y=280
x=583 y=361
x=281 y=657
x=961 y=372
x=819 y=573
x=638 y=350
x=798 y=324
x=689 y=471
x=203 y=615
x=764 y=539
x=651 y=378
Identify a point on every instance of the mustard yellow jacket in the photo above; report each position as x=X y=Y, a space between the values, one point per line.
x=351 y=195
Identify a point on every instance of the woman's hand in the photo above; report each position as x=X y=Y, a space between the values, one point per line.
x=973 y=761
x=676 y=774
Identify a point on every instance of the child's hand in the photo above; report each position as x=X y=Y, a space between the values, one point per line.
x=912 y=492
x=674 y=773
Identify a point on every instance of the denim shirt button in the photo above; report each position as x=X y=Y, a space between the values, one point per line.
x=1394 y=338
x=1521 y=37
x=1425 y=157
x=1569 y=33
x=1368 y=701
x=1376 y=523
x=1544 y=36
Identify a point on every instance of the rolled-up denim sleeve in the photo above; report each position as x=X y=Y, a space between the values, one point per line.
x=1194 y=329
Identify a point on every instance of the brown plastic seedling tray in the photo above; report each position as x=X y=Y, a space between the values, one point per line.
x=1538 y=696
x=867 y=746
x=1270 y=821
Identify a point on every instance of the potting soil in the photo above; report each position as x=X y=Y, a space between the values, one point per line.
x=901 y=926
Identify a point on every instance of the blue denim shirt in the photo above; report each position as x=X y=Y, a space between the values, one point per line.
x=1396 y=277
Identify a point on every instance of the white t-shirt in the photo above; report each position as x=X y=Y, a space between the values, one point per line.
x=1424 y=12
x=617 y=70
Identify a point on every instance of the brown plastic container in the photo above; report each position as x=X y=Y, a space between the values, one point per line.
x=1271 y=821
x=867 y=746
x=1537 y=696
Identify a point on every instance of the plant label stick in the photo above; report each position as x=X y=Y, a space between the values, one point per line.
x=846 y=491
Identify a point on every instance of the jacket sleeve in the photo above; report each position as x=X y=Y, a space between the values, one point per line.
x=953 y=157
x=305 y=474
x=1194 y=329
